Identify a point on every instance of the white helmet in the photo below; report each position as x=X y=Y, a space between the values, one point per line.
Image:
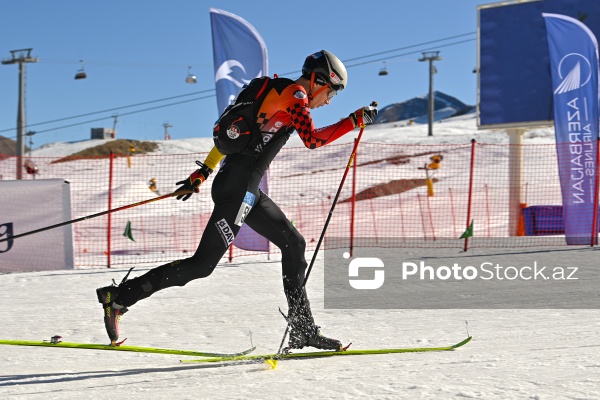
x=328 y=69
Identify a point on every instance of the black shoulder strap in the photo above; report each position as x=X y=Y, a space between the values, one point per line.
x=263 y=87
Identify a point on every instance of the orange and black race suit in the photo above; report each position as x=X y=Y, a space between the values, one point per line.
x=285 y=109
x=238 y=200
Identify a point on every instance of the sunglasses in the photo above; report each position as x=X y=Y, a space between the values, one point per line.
x=334 y=90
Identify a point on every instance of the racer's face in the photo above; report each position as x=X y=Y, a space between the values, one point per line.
x=323 y=97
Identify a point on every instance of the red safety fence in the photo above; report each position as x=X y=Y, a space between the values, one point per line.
x=396 y=195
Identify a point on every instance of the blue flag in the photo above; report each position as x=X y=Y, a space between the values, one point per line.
x=240 y=55
x=574 y=68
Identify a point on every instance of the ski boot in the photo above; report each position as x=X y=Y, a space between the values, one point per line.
x=303 y=331
x=312 y=337
x=112 y=311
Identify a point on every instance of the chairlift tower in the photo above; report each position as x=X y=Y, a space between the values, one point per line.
x=166 y=125
x=115 y=120
x=21 y=57
x=431 y=56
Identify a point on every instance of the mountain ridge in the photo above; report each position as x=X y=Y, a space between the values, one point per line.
x=417 y=109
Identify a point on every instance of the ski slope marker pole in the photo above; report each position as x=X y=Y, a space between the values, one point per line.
x=335 y=200
x=94 y=215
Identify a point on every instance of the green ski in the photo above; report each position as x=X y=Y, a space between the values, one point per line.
x=317 y=354
x=91 y=346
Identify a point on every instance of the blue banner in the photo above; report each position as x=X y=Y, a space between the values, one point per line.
x=240 y=55
x=574 y=68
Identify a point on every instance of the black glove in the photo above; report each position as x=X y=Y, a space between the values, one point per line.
x=364 y=115
x=193 y=182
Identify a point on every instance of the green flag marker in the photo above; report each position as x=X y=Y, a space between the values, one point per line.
x=468 y=232
x=127 y=232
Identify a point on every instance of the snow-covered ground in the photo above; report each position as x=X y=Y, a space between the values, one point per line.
x=515 y=354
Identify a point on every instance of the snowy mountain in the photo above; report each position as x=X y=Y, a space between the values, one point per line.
x=459 y=129
x=8 y=147
x=416 y=109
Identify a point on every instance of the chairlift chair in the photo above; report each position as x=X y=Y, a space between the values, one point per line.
x=191 y=78
x=383 y=70
x=81 y=73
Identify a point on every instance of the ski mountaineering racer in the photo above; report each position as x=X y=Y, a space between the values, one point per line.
x=249 y=134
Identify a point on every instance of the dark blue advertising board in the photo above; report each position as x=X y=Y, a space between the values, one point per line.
x=514 y=82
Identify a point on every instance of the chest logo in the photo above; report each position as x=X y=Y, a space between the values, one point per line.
x=299 y=94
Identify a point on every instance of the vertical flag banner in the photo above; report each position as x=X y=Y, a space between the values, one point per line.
x=240 y=55
x=574 y=68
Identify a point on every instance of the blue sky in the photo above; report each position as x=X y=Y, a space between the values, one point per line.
x=139 y=51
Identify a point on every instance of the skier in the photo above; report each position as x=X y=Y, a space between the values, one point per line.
x=249 y=134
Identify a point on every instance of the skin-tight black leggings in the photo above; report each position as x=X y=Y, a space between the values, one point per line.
x=235 y=187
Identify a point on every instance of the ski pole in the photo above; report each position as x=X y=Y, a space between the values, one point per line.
x=335 y=200
x=94 y=215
